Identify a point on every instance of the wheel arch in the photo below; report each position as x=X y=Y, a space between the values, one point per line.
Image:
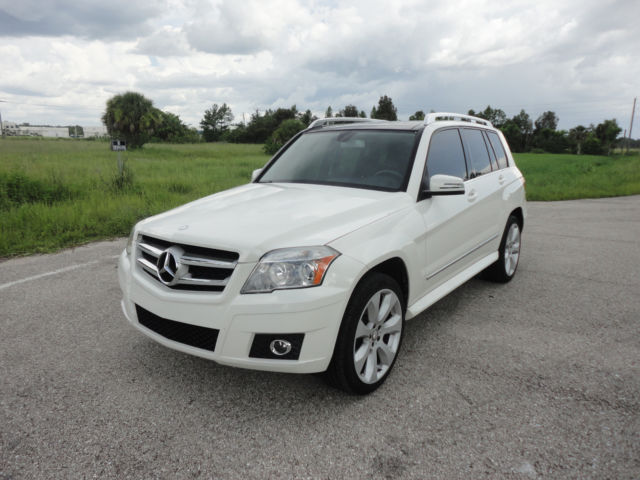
x=519 y=214
x=395 y=268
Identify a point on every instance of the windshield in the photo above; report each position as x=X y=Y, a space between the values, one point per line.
x=375 y=159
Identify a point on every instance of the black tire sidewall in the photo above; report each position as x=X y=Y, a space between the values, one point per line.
x=505 y=277
x=343 y=355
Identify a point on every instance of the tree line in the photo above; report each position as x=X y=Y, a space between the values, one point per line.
x=133 y=118
x=275 y=127
x=542 y=135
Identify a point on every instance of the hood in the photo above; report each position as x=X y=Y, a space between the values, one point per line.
x=256 y=218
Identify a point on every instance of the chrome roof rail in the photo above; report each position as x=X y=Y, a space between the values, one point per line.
x=325 y=122
x=446 y=116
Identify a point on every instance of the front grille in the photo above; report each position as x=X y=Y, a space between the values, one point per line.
x=189 y=267
x=193 y=335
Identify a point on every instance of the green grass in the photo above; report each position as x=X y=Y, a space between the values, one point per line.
x=56 y=193
x=566 y=177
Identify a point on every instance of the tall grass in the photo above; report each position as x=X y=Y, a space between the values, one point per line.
x=56 y=193
x=567 y=177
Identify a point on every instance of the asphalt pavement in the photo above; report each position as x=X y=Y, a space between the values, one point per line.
x=538 y=378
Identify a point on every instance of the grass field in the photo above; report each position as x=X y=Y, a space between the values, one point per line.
x=59 y=193
x=566 y=177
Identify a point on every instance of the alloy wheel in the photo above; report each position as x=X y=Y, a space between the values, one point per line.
x=512 y=250
x=377 y=337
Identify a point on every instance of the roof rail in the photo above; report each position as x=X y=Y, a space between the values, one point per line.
x=444 y=116
x=325 y=122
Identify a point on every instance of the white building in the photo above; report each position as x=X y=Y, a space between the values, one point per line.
x=55 y=132
x=94 y=131
x=11 y=128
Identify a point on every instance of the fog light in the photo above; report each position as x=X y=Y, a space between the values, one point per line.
x=277 y=346
x=280 y=347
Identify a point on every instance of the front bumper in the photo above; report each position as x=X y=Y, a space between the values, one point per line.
x=315 y=312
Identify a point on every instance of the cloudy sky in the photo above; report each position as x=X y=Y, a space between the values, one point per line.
x=60 y=60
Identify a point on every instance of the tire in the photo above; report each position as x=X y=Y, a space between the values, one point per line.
x=504 y=269
x=366 y=350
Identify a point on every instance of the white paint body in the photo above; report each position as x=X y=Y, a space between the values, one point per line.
x=443 y=241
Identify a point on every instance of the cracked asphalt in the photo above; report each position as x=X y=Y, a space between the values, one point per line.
x=539 y=378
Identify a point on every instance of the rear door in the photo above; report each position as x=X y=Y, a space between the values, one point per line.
x=483 y=191
x=503 y=175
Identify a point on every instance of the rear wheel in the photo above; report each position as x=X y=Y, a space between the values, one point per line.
x=505 y=267
x=370 y=336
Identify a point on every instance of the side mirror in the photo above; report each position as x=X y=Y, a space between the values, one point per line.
x=255 y=174
x=443 y=185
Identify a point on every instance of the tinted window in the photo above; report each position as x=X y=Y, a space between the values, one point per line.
x=476 y=152
x=494 y=164
x=446 y=156
x=377 y=159
x=498 y=148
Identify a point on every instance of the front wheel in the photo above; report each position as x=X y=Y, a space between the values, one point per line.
x=370 y=335
x=505 y=267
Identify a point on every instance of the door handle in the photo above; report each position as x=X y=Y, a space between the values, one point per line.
x=500 y=179
x=472 y=195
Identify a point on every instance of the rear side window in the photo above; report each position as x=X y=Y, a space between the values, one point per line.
x=446 y=156
x=477 y=152
x=498 y=149
x=492 y=155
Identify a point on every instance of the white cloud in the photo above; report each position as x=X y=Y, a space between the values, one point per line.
x=86 y=18
x=578 y=58
x=167 y=41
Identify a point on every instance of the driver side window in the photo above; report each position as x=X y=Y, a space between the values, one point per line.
x=446 y=156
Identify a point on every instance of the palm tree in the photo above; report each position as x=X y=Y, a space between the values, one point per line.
x=131 y=117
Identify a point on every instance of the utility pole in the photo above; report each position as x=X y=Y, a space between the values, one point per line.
x=1 y=127
x=633 y=112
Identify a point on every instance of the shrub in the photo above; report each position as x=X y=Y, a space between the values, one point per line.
x=284 y=133
x=592 y=145
x=16 y=188
x=123 y=178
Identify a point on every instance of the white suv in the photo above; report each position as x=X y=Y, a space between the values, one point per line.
x=346 y=232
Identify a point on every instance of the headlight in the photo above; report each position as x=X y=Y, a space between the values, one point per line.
x=130 y=241
x=290 y=268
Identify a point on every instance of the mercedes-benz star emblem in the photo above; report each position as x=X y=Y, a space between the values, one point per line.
x=169 y=267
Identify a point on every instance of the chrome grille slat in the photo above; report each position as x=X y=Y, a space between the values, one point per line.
x=207 y=262
x=203 y=281
x=148 y=266
x=201 y=268
x=150 y=249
